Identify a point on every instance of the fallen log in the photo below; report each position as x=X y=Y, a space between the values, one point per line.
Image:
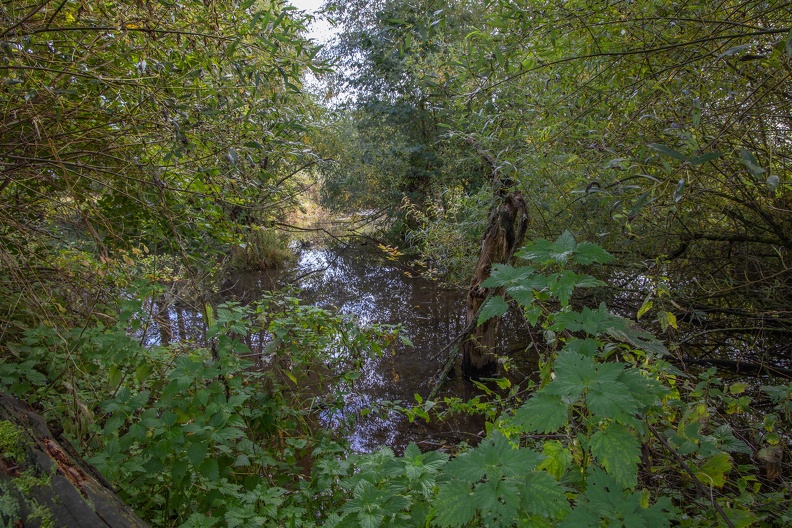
x=44 y=482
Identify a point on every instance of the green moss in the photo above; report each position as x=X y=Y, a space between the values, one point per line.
x=9 y=507
x=43 y=515
x=29 y=480
x=12 y=446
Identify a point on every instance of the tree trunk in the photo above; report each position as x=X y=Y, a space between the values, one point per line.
x=508 y=222
x=506 y=230
x=42 y=479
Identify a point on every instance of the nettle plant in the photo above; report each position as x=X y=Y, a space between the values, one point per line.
x=200 y=434
x=610 y=436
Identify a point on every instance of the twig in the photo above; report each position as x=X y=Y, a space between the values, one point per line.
x=696 y=481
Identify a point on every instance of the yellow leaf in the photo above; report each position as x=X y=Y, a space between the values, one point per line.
x=647 y=305
x=672 y=320
x=713 y=471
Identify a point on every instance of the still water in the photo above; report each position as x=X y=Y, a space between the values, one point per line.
x=360 y=280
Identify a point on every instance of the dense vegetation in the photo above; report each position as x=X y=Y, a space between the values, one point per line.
x=149 y=147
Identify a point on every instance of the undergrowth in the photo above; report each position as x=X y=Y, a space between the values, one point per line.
x=260 y=249
x=610 y=435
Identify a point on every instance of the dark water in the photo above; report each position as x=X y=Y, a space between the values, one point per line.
x=361 y=281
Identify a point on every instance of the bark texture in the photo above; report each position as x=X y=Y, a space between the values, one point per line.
x=506 y=228
x=66 y=490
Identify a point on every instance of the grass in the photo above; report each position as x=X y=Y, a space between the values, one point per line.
x=261 y=249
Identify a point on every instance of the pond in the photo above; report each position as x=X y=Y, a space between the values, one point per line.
x=359 y=280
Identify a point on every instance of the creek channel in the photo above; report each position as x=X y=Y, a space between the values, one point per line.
x=358 y=280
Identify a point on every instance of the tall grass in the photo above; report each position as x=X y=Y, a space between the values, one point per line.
x=261 y=249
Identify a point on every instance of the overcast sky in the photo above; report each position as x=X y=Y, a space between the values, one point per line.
x=320 y=29
x=306 y=5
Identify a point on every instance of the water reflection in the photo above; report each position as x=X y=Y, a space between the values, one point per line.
x=357 y=280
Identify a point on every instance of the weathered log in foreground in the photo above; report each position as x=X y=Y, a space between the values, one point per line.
x=506 y=228
x=43 y=482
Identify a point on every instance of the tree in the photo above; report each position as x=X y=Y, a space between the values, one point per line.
x=656 y=128
x=154 y=127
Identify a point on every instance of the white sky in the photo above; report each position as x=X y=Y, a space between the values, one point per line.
x=320 y=30
x=306 y=5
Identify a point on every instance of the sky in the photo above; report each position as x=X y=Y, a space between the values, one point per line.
x=320 y=30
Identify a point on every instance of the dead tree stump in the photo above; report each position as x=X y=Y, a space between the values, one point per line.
x=506 y=228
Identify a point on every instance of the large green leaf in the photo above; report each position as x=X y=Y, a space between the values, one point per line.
x=619 y=451
x=454 y=504
x=505 y=275
x=574 y=373
x=557 y=458
x=543 y=495
x=543 y=413
x=589 y=253
x=494 y=307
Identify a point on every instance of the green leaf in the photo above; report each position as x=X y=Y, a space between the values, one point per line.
x=585 y=347
x=611 y=399
x=114 y=377
x=589 y=253
x=543 y=495
x=543 y=413
x=751 y=163
x=524 y=296
x=179 y=470
x=196 y=452
x=740 y=518
x=546 y=252
x=668 y=151
x=210 y=469
x=646 y=391
x=645 y=307
x=505 y=275
x=454 y=505
x=557 y=458
x=254 y=144
x=704 y=158
x=593 y=322
x=494 y=307
x=468 y=467
x=713 y=471
x=619 y=452
x=574 y=373
x=498 y=499
x=563 y=286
